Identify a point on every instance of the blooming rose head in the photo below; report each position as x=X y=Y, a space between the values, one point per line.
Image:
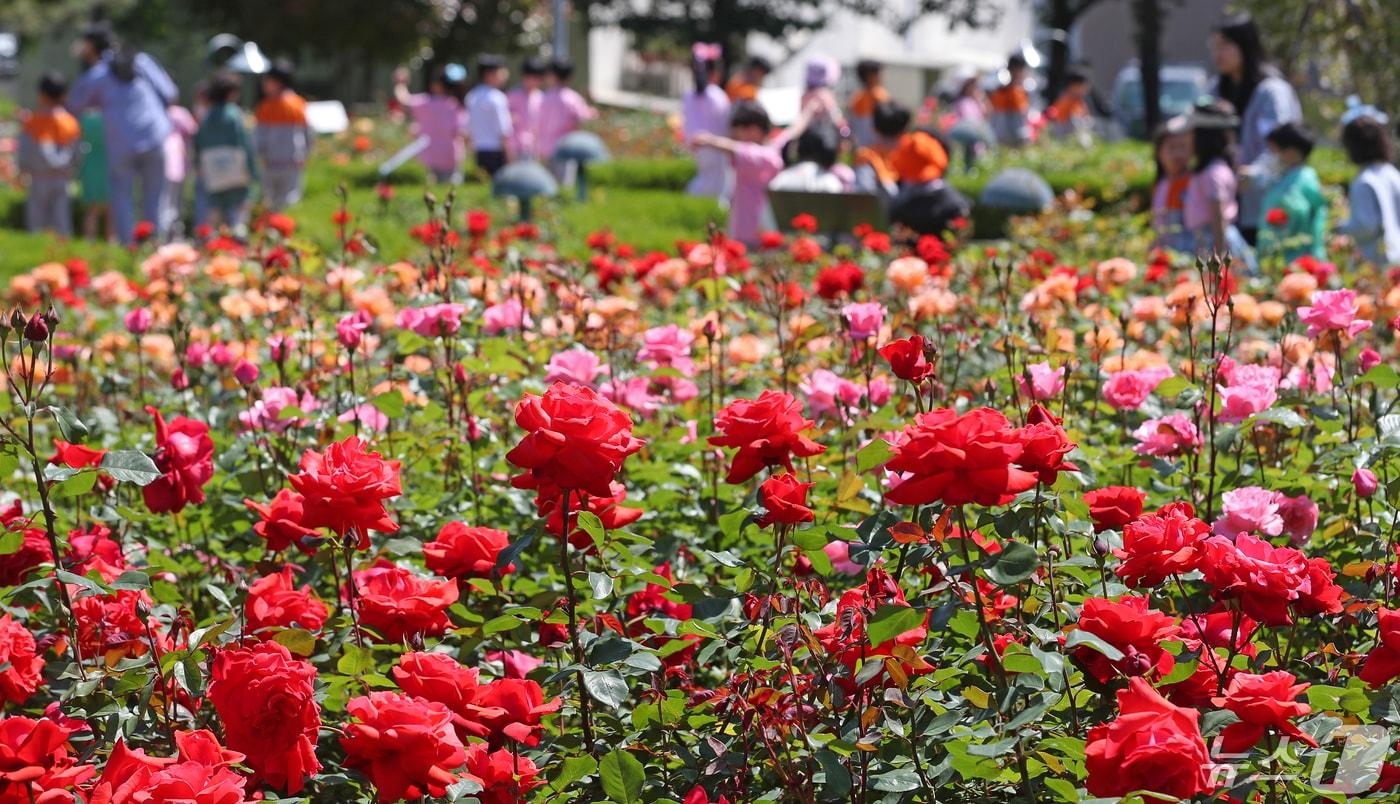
x=1152 y=745
x=400 y=606
x=784 y=499
x=1265 y=704
x=461 y=551
x=274 y=601
x=574 y=366
x=1112 y=507
x=863 y=319
x=1171 y=435
x=185 y=457
x=405 y=745
x=1127 y=390
x=959 y=459
x=1041 y=382
x=267 y=702
x=906 y=358
x=1333 y=311
x=344 y=489
x=574 y=440
x=1250 y=509
x=767 y=432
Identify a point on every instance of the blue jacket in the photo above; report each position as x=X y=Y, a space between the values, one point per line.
x=133 y=112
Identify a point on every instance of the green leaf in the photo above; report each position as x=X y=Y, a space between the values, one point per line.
x=897 y=781
x=838 y=778
x=69 y=424
x=390 y=403
x=130 y=466
x=77 y=485
x=1382 y=376
x=891 y=621
x=874 y=454
x=1287 y=417
x=496 y=625
x=10 y=542
x=297 y=640
x=602 y=585
x=622 y=776
x=606 y=687
x=589 y=523
x=1078 y=637
x=1172 y=386
x=573 y=769
x=1016 y=562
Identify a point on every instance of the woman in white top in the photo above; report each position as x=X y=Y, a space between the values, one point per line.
x=1374 y=194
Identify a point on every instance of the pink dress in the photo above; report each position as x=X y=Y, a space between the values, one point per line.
x=441 y=119
x=707 y=110
x=1215 y=183
x=177 y=145
x=563 y=110
x=755 y=164
x=525 y=106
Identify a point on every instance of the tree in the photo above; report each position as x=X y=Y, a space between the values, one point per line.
x=680 y=23
x=1147 y=19
x=1060 y=16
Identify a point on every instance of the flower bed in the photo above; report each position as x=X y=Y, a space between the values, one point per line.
x=482 y=522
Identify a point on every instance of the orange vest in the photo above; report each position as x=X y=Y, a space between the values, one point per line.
x=1066 y=108
x=54 y=126
x=738 y=89
x=286 y=109
x=863 y=103
x=1010 y=98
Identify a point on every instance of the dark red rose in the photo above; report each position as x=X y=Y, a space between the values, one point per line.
x=906 y=358
x=784 y=499
x=280 y=522
x=406 y=746
x=959 y=459
x=574 y=440
x=344 y=489
x=185 y=458
x=267 y=702
x=460 y=551
x=839 y=280
x=767 y=432
x=1152 y=745
x=398 y=605
x=1112 y=507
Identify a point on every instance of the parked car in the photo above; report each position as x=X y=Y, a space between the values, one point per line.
x=1183 y=85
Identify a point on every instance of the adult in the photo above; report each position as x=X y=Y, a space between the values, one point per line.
x=1264 y=101
x=132 y=92
x=705 y=110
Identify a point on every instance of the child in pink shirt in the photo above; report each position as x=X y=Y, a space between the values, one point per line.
x=439 y=116
x=563 y=110
x=756 y=158
x=526 y=104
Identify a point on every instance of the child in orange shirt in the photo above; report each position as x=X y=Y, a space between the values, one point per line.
x=48 y=155
x=282 y=139
x=863 y=103
x=1011 y=106
x=874 y=173
x=744 y=85
x=1069 y=114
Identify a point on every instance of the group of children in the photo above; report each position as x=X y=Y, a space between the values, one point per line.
x=212 y=143
x=1195 y=205
x=525 y=123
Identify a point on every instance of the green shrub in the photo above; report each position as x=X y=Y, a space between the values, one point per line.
x=644 y=174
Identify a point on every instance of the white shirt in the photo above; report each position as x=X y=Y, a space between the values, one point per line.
x=808 y=177
x=488 y=118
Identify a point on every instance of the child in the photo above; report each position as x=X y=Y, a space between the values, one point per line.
x=488 y=115
x=1070 y=113
x=925 y=204
x=93 y=188
x=816 y=170
x=224 y=153
x=525 y=102
x=1011 y=105
x=874 y=173
x=1172 y=148
x=1374 y=195
x=863 y=103
x=704 y=115
x=282 y=138
x=756 y=161
x=1210 y=209
x=744 y=85
x=563 y=109
x=1293 y=221
x=48 y=152
x=177 y=159
x=438 y=115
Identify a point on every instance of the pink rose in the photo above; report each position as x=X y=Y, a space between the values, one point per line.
x=1045 y=382
x=840 y=554
x=576 y=366
x=1364 y=480
x=1299 y=517
x=864 y=319
x=1127 y=390
x=1333 y=311
x=1250 y=509
x=669 y=347
x=509 y=314
x=1167 y=437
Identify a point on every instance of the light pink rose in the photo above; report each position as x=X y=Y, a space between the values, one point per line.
x=1299 y=517
x=1127 y=390
x=824 y=389
x=840 y=554
x=1046 y=382
x=433 y=321
x=368 y=415
x=266 y=412
x=669 y=347
x=1167 y=437
x=1333 y=311
x=575 y=366
x=509 y=314
x=1250 y=509
x=864 y=319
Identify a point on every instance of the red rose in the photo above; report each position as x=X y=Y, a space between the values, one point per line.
x=804 y=222
x=1276 y=217
x=24 y=668
x=767 y=432
x=1157 y=546
x=509 y=708
x=785 y=499
x=504 y=776
x=1112 y=507
x=439 y=678
x=478 y=222
x=652 y=599
x=33 y=550
x=1044 y=446
x=185 y=458
x=609 y=510
x=959 y=459
x=1383 y=662
x=1152 y=745
x=460 y=551
x=76 y=456
x=275 y=602
x=280 y=522
x=405 y=746
x=200 y=774
x=95 y=549
x=35 y=760
x=142 y=231
x=1134 y=629
x=267 y=702
x=841 y=279
x=845 y=637
x=111 y=626
x=1320 y=594
x=345 y=489
x=1265 y=579
x=1265 y=704
x=575 y=440
x=906 y=359
x=399 y=605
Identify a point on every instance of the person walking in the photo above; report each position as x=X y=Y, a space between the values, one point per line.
x=132 y=91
